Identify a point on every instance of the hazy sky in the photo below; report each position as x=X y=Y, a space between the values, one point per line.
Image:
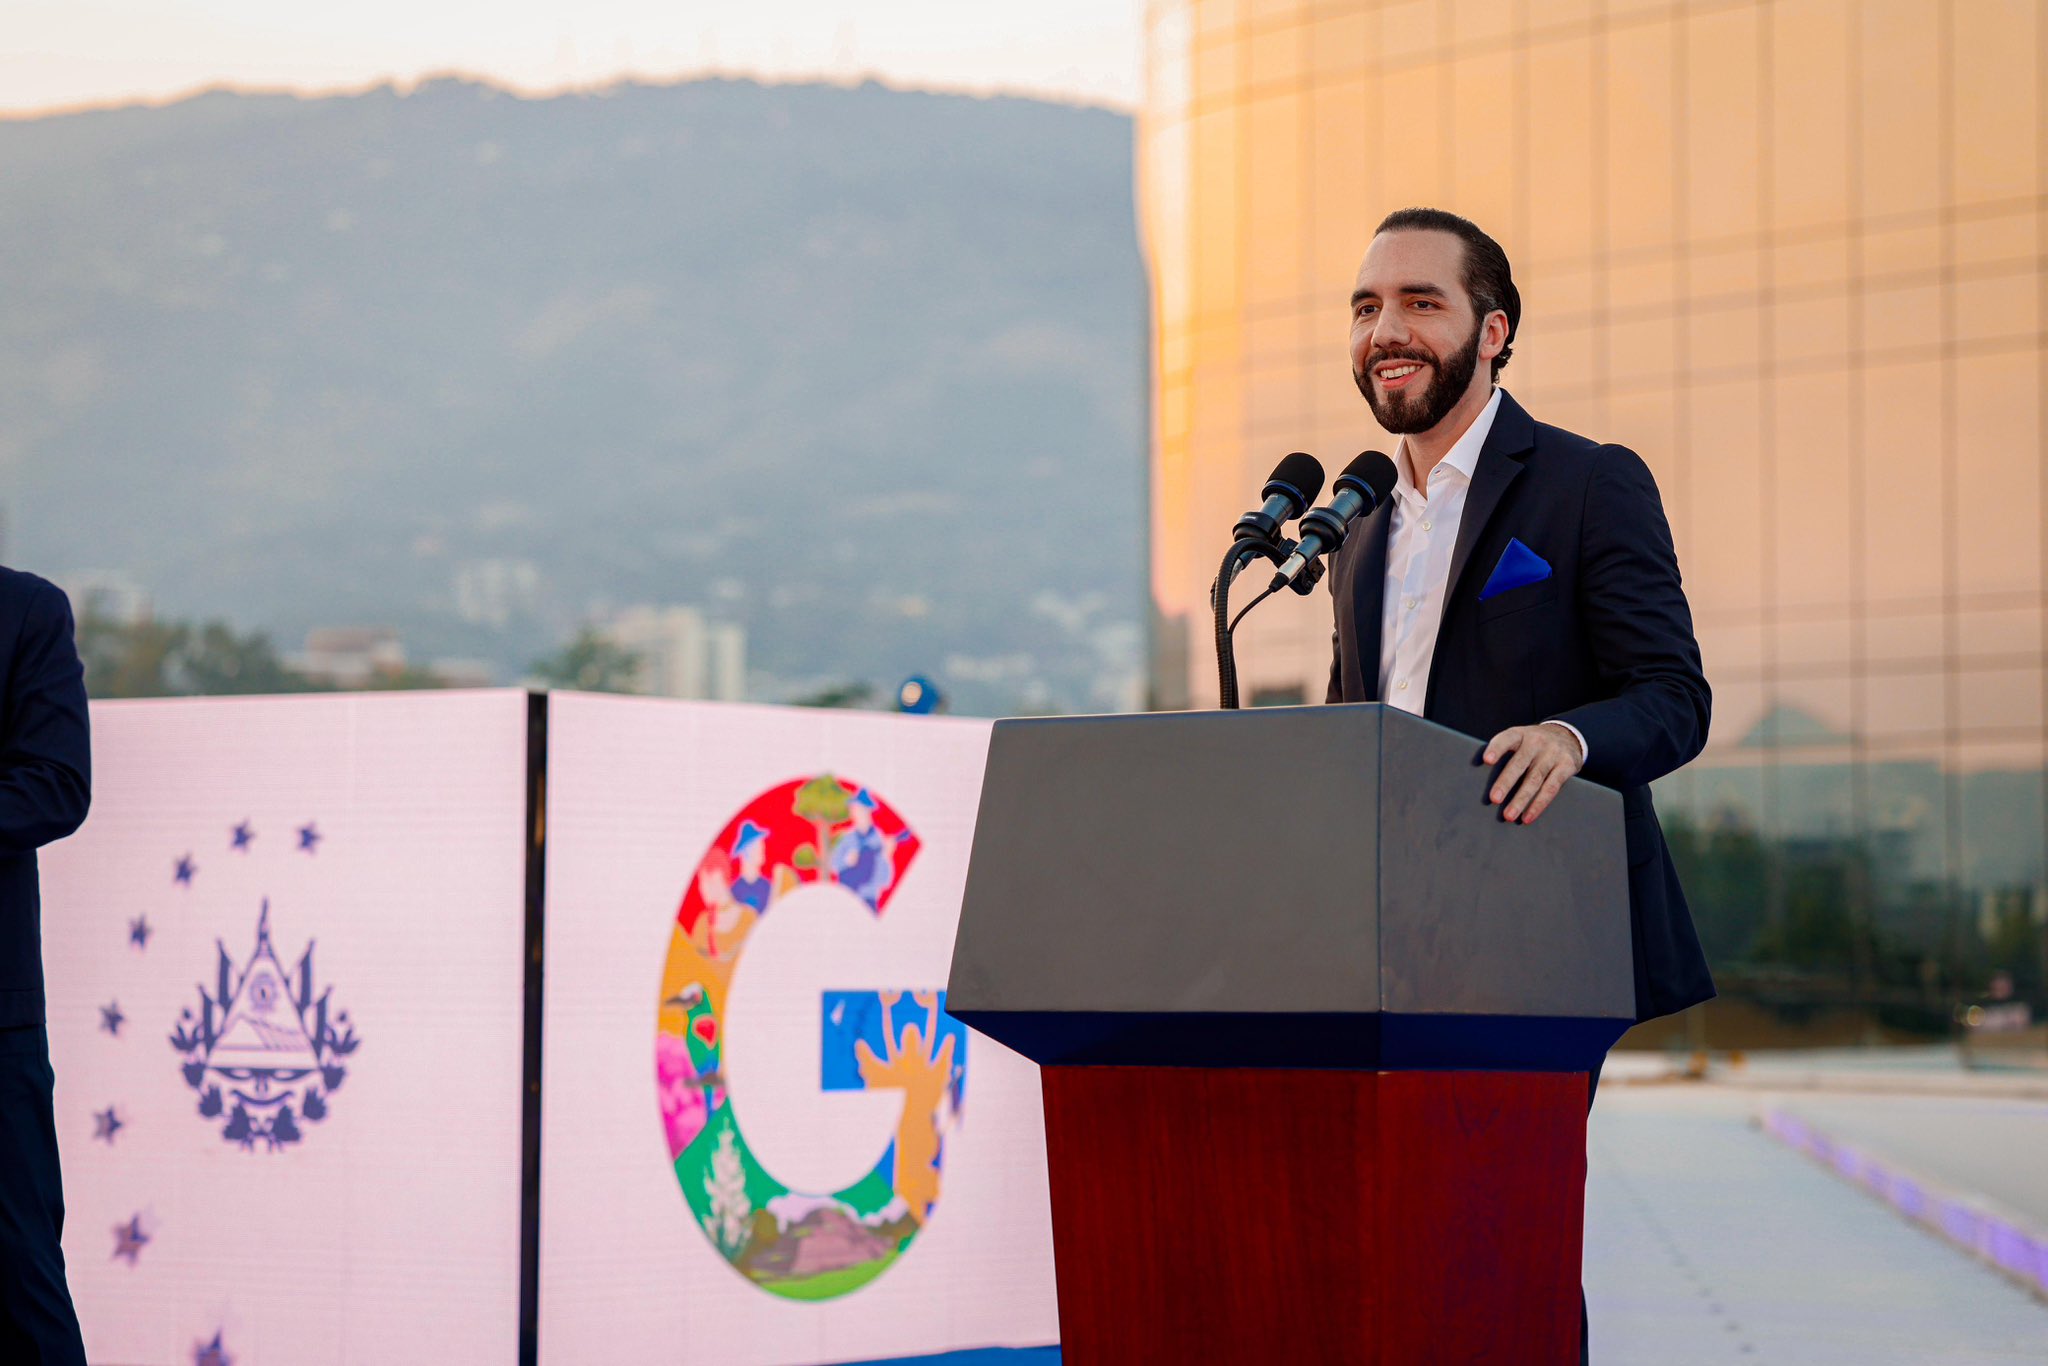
x=58 y=53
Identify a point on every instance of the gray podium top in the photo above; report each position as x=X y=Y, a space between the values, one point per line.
x=1300 y=886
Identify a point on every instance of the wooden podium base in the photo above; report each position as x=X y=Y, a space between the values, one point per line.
x=1273 y=1216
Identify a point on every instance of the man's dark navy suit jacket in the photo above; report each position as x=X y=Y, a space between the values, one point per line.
x=45 y=772
x=1606 y=643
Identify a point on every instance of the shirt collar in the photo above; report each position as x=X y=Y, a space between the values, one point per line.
x=1463 y=456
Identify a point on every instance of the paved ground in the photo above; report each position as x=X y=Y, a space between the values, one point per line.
x=1708 y=1241
x=1712 y=1243
x=1921 y=1070
x=1993 y=1147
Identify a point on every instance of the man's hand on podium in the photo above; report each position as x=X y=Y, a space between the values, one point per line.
x=1544 y=757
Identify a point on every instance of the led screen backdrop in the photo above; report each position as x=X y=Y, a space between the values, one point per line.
x=762 y=1139
x=288 y=1017
x=284 y=966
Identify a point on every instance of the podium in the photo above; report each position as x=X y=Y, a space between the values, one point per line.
x=1314 y=1023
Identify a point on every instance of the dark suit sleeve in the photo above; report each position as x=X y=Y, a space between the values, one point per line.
x=46 y=752
x=1335 y=691
x=1640 y=632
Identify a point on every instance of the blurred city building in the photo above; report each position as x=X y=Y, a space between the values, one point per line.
x=680 y=654
x=350 y=656
x=1787 y=251
x=491 y=592
x=107 y=594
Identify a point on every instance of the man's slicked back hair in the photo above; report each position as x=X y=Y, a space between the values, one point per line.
x=1488 y=278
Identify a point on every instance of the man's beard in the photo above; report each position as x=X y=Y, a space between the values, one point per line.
x=1401 y=413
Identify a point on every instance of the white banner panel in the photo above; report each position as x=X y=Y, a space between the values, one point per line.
x=284 y=967
x=763 y=1142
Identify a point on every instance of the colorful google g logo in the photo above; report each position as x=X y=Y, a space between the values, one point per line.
x=797 y=1244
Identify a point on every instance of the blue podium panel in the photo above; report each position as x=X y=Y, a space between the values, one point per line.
x=987 y=1356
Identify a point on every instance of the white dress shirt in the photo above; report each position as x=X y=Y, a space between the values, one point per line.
x=1421 y=534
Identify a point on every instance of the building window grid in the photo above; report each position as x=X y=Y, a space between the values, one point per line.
x=1952 y=718
x=2018 y=267
x=1854 y=290
x=2041 y=366
x=1521 y=34
x=1662 y=382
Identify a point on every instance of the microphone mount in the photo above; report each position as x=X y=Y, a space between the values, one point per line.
x=1241 y=553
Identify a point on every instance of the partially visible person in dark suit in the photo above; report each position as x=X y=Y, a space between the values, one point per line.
x=1521 y=583
x=45 y=785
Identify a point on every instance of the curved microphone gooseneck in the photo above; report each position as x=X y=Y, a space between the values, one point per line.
x=1294 y=484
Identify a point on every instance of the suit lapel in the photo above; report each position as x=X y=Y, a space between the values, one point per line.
x=1368 y=595
x=1500 y=463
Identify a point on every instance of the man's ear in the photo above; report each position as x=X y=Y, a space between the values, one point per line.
x=1493 y=335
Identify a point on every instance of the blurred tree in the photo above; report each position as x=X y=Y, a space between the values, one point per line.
x=150 y=658
x=590 y=663
x=2014 y=939
x=1817 y=930
x=1723 y=871
x=126 y=659
x=213 y=660
x=409 y=678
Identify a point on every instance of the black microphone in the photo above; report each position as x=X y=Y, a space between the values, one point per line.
x=1363 y=486
x=1296 y=481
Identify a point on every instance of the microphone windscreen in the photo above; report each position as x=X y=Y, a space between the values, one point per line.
x=1301 y=472
x=1375 y=471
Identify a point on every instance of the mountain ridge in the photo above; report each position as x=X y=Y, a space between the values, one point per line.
x=769 y=349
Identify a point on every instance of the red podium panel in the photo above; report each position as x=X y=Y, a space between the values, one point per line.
x=1272 y=1215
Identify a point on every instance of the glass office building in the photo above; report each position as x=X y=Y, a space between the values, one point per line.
x=1789 y=251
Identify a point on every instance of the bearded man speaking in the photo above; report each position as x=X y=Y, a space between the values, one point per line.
x=1521 y=582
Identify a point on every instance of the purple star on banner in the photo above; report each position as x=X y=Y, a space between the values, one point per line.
x=129 y=1240
x=105 y=1124
x=211 y=1353
x=111 y=1018
x=308 y=837
x=243 y=837
x=186 y=868
x=138 y=931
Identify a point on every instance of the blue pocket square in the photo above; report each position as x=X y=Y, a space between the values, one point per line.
x=1518 y=568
